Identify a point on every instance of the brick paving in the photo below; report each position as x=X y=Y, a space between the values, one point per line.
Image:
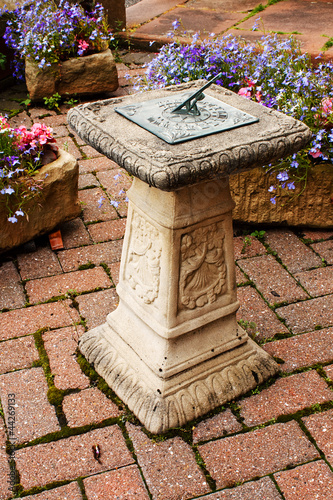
x=57 y=294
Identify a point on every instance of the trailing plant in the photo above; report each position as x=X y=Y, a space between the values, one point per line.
x=48 y=33
x=273 y=72
x=22 y=153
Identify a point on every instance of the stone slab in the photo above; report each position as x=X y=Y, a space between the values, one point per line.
x=161 y=165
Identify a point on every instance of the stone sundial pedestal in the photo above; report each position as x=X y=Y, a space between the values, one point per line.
x=172 y=350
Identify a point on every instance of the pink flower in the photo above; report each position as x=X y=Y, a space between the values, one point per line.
x=83 y=45
x=245 y=91
x=315 y=153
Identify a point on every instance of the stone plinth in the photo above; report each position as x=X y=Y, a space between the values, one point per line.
x=172 y=350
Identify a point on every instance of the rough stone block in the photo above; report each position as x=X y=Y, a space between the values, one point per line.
x=90 y=74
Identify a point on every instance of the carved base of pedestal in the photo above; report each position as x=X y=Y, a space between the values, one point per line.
x=162 y=404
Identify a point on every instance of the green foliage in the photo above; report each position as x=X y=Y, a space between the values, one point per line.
x=53 y=101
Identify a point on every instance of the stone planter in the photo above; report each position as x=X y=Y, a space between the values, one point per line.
x=58 y=203
x=91 y=74
x=313 y=208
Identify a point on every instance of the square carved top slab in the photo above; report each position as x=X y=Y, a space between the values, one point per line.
x=171 y=166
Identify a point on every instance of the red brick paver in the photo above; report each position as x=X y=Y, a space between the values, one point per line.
x=325 y=250
x=307 y=482
x=33 y=415
x=247 y=246
x=114 y=270
x=329 y=371
x=274 y=282
x=5 y=488
x=94 y=307
x=254 y=309
x=320 y=426
x=125 y=483
x=96 y=165
x=70 y=491
x=79 y=281
x=74 y=234
x=18 y=353
x=29 y=320
x=169 y=467
x=88 y=180
x=217 y=426
x=287 y=395
x=317 y=235
x=61 y=346
x=258 y=453
x=11 y=290
x=87 y=407
x=106 y=253
x=67 y=144
x=38 y=264
x=263 y=489
x=110 y=230
x=72 y=457
x=303 y=350
x=307 y=315
x=317 y=281
x=294 y=254
x=96 y=206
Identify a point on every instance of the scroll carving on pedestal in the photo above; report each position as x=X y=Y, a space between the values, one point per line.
x=143 y=262
x=202 y=266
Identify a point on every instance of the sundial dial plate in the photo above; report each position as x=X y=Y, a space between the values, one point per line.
x=158 y=117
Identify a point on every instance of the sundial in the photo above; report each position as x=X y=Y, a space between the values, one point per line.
x=181 y=117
